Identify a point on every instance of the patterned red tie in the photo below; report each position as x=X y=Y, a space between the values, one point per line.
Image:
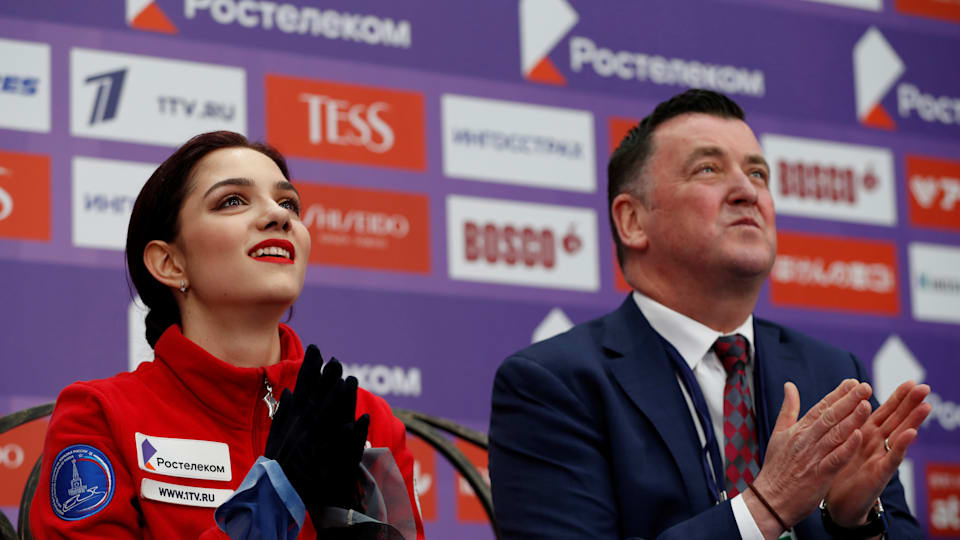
x=739 y=423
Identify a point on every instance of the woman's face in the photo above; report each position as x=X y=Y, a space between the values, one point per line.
x=241 y=239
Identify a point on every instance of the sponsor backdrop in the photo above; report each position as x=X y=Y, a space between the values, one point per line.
x=452 y=157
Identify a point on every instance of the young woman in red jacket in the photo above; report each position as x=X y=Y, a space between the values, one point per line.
x=208 y=440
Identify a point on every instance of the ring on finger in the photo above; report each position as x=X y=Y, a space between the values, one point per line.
x=886 y=444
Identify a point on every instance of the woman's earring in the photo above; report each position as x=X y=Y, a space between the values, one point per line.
x=183 y=286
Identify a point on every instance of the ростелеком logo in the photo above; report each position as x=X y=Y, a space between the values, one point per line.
x=148 y=452
x=146 y=15
x=876 y=66
x=543 y=23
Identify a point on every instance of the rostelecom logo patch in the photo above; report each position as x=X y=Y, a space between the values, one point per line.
x=543 y=23
x=147 y=15
x=876 y=67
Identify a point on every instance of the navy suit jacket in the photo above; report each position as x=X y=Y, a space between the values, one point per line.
x=590 y=436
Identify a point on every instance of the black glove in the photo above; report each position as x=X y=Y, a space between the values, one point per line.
x=315 y=437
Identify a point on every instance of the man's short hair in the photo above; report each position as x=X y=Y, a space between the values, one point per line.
x=628 y=160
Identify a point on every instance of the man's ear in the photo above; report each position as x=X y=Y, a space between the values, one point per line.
x=164 y=262
x=630 y=218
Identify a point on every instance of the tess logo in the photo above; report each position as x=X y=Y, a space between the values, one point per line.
x=344 y=122
x=829 y=272
x=24 y=196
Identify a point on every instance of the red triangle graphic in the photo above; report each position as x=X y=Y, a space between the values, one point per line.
x=153 y=20
x=545 y=72
x=149 y=466
x=879 y=118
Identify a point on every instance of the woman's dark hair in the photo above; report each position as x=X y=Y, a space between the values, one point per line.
x=156 y=216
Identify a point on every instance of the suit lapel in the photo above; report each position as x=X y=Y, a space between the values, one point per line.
x=778 y=364
x=639 y=364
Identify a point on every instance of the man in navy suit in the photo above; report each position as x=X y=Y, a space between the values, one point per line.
x=659 y=420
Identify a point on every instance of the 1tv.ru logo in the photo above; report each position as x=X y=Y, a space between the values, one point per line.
x=107 y=100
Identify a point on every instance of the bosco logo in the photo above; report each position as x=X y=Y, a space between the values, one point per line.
x=550 y=246
x=813 y=181
x=341 y=122
x=833 y=180
x=516 y=245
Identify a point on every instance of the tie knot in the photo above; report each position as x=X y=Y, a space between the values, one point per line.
x=732 y=352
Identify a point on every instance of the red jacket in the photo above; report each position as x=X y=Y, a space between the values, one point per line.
x=183 y=429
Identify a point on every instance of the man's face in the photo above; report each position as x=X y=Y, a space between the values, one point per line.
x=710 y=210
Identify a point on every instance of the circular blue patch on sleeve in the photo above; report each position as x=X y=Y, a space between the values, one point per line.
x=81 y=482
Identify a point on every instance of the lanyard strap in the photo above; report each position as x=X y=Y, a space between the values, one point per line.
x=711 y=446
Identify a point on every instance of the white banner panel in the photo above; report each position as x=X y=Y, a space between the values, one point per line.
x=181 y=494
x=831 y=180
x=935 y=282
x=519 y=243
x=518 y=143
x=104 y=191
x=185 y=458
x=24 y=85
x=127 y=97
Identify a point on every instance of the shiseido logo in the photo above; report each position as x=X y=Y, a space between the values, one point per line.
x=105 y=104
x=358 y=222
x=341 y=122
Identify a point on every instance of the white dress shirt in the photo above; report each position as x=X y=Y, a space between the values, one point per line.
x=694 y=342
